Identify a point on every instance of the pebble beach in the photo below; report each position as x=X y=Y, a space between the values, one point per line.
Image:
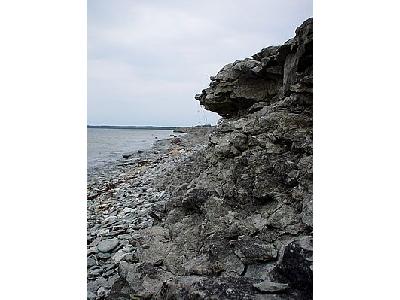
x=121 y=197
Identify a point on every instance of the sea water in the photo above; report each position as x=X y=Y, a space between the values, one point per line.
x=107 y=145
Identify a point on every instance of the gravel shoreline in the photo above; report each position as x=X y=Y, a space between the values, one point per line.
x=121 y=199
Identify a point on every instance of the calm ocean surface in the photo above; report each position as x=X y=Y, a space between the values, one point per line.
x=106 y=145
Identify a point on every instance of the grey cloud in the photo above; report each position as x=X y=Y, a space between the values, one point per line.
x=147 y=59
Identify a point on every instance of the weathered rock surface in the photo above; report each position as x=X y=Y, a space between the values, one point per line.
x=231 y=219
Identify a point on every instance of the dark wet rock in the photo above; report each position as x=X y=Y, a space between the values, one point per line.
x=295 y=266
x=176 y=141
x=194 y=199
x=127 y=155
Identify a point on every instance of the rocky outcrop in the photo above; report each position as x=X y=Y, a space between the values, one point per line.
x=238 y=220
x=271 y=74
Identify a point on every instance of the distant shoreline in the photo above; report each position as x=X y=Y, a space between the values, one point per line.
x=174 y=128
x=133 y=127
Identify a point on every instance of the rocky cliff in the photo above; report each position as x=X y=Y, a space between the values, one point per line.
x=236 y=222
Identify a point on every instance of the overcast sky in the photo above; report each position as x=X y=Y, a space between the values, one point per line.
x=147 y=59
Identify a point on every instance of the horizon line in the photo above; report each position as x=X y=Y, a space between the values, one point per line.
x=147 y=126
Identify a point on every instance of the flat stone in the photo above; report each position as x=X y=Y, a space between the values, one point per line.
x=103 y=231
x=101 y=292
x=128 y=210
x=91 y=295
x=270 y=287
x=109 y=273
x=95 y=272
x=92 y=250
x=111 y=219
x=91 y=262
x=130 y=257
x=108 y=266
x=93 y=285
x=117 y=257
x=107 y=245
x=124 y=236
x=103 y=255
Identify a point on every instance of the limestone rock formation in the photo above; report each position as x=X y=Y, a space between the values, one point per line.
x=238 y=222
x=267 y=77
